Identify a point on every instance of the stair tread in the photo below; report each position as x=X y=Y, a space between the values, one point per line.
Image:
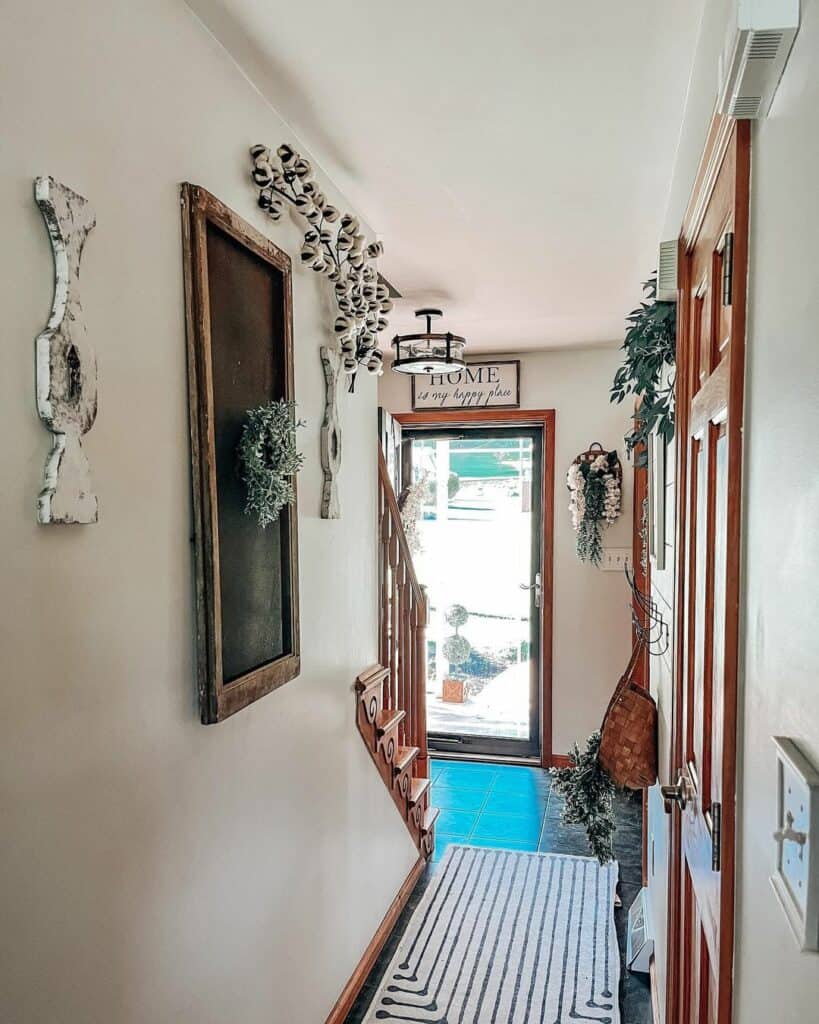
x=386 y=720
x=404 y=756
x=417 y=789
x=430 y=818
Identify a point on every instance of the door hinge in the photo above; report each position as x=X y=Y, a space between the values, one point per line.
x=716 y=836
x=728 y=268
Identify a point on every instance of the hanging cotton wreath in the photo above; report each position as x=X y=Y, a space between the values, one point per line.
x=594 y=481
x=334 y=246
x=268 y=459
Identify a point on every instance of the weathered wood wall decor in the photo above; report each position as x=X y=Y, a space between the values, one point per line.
x=479 y=385
x=331 y=434
x=240 y=355
x=66 y=366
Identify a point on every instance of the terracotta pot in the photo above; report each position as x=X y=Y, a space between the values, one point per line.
x=452 y=691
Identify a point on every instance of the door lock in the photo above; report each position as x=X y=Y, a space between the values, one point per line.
x=675 y=794
x=537 y=586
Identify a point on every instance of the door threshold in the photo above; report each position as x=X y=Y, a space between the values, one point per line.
x=449 y=755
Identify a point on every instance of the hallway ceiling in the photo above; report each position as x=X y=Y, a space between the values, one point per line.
x=515 y=159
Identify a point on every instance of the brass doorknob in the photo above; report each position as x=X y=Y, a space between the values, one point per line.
x=675 y=794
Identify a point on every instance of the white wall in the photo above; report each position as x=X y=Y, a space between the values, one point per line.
x=779 y=642
x=154 y=869
x=591 y=608
x=781 y=569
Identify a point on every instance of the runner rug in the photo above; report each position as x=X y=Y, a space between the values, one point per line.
x=504 y=936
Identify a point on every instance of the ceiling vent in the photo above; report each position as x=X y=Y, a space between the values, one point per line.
x=755 y=54
x=667 y=272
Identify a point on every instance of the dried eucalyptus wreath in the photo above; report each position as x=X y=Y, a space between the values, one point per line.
x=268 y=459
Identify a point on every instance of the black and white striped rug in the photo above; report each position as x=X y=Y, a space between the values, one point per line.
x=504 y=936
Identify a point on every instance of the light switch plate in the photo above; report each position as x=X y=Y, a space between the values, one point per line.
x=615 y=559
x=796 y=876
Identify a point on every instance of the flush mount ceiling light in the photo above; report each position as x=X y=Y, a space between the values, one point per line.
x=428 y=352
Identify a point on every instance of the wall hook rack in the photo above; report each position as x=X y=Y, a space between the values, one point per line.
x=649 y=625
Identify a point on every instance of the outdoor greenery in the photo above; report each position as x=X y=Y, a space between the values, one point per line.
x=588 y=793
x=648 y=369
x=268 y=459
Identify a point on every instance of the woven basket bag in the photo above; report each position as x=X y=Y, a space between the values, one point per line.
x=628 y=736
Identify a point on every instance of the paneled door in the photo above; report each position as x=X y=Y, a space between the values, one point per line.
x=710 y=362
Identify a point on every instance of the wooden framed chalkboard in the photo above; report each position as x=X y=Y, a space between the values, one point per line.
x=240 y=355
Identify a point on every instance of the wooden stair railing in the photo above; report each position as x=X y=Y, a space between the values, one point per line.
x=392 y=713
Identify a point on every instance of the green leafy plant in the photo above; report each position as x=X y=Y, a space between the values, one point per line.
x=588 y=793
x=268 y=459
x=648 y=369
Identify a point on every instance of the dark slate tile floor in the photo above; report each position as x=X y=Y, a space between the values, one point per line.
x=513 y=807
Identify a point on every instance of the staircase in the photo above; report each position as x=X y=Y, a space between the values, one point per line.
x=391 y=696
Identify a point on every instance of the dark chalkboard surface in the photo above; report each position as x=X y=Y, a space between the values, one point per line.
x=240 y=356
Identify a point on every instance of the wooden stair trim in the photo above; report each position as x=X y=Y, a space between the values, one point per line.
x=370 y=678
x=430 y=818
x=385 y=721
x=349 y=993
x=418 y=789
x=404 y=756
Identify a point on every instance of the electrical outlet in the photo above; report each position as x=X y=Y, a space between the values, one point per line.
x=615 y=559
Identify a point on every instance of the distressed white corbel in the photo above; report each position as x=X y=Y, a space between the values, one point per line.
x=66 y=365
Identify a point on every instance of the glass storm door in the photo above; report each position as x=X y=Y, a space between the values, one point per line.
x=478 y=552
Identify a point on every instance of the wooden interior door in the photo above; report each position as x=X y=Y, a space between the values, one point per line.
x=713 y=265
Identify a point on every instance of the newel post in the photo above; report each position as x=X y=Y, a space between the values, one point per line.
x=420 y=684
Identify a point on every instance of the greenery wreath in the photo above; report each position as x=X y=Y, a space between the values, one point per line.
x=268 y=459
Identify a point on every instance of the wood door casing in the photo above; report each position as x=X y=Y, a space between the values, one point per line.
x=545 y=420
x=711 y=368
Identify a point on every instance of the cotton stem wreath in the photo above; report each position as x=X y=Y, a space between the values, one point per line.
x=333 y=246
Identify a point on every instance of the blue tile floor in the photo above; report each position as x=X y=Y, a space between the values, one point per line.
x=489 y=805
x=513 y=808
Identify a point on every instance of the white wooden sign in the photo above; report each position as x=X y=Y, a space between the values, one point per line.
x=487 y=385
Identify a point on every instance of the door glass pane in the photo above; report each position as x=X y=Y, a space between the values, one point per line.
x=475 y=535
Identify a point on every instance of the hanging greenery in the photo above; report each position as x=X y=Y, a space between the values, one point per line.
x=648 y=369
x=268 y=459
x=588 y=793
x=594 y=480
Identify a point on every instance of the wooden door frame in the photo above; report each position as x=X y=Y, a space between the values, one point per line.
x=545 y=420
x=722 y=132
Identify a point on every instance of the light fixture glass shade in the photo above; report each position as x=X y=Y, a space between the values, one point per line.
x=428 y=352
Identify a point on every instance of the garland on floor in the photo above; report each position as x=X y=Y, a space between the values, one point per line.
x=588 y=792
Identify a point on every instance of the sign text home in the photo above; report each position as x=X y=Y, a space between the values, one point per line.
x=489 y=385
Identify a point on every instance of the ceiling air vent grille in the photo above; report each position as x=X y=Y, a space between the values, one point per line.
x=764 y=45
x=756 y=51
x=745 y=107
x=667 y=272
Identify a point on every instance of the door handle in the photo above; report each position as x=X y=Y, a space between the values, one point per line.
x=675 y=794
x=537 y=586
